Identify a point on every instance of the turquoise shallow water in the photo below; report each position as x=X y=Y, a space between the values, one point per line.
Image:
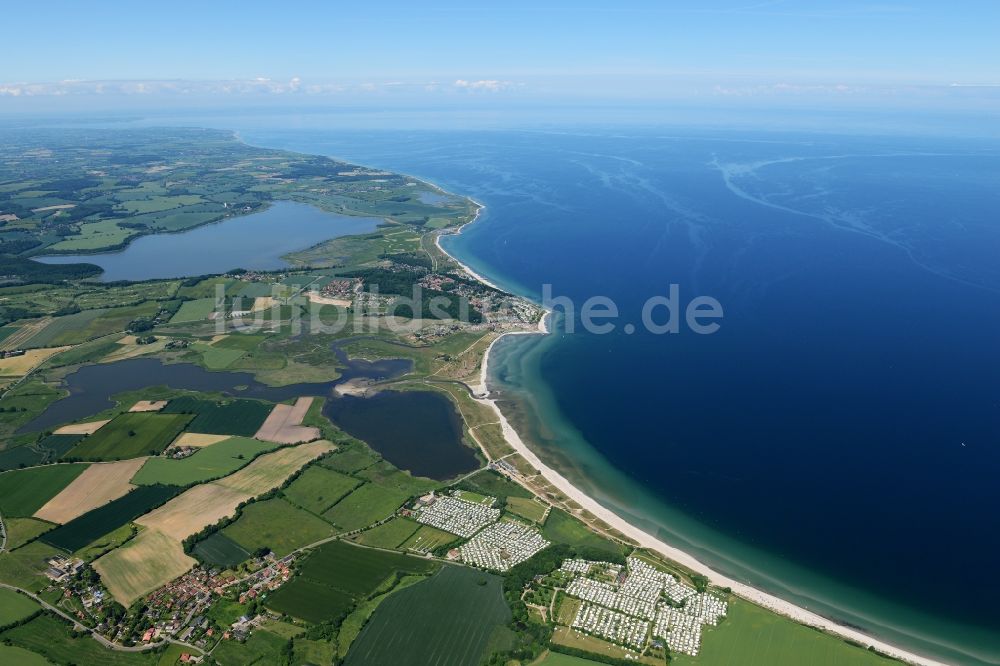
x=835 y=442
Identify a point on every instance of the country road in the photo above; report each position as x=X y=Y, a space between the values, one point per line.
x=96 y=636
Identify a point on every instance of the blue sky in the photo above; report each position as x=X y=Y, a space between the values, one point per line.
x=785 y=52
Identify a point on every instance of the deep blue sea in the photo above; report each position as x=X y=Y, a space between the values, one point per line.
x=837 y=441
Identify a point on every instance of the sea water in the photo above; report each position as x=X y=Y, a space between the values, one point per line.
x=837 y=441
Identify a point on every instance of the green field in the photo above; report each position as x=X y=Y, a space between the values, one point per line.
x=277 y=525
x=475 y=498
x=318 y=488
x=220 y=550
x=427 y=538
x=14 y=607
x=15 y=655
x=229 y=417
x=560 y=527
x=94 y=524
x=217 y=358
x=488 y=482
x=388 y=476
x=23 y=567
x=358 y=570
x=752 y=636
x=335 y=575
x=350 y=459
x=131 y=435
x=310 y=601
x=25 y=455
x=557 y=659
x=25 y=491
x=81 y=326
x=262 y=647
x=446 y=620
x=526 y=508
x=210 y=462
x=307 y=652
x=388 y=535
x=52 y=639
x=359 y=616
x=366 y=505
x=22 y=530
x=196 y=310
x=158 y=204
x=56 y=446
x=104 y=543
x=95 y=236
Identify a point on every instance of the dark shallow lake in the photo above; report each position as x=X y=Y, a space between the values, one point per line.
x=418 y=431
x=256 y=241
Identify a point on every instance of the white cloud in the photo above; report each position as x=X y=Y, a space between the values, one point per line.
x=489 y=85
x=257 y=85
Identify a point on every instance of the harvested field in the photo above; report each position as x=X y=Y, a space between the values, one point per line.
x=208 y=503
x=262 y=303
x=95 y=524
x=149 y=561
x=18 y=366
x=128 y=348
x=283 y=424
x=270 y=470
x=194 y=509
x=24 y=332
x=148 y=406
x=25 y=491
x=156 y=556
x=196 y=440
x=99 y=484
x=81 y=428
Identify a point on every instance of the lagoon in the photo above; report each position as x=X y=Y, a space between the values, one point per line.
x=258 y=241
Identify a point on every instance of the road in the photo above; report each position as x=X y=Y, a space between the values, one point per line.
x=96 y=636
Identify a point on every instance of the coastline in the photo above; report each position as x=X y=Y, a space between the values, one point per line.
x=643 y=538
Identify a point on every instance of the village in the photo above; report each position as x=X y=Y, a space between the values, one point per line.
x=178 y=611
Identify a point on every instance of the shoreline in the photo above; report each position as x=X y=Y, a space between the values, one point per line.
x=643 y=538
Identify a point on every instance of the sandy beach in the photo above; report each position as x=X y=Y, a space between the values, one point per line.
x=643 y=538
